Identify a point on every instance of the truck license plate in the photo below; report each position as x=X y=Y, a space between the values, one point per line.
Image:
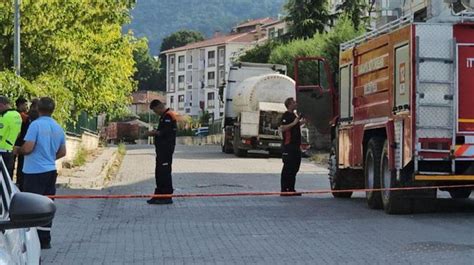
x=274 y=144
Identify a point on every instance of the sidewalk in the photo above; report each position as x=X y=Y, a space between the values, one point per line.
x=93 y=174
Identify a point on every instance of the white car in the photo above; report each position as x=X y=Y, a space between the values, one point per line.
x=20 y=212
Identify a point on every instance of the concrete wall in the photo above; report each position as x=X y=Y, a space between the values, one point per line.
x=88 y=141
x=189 y=140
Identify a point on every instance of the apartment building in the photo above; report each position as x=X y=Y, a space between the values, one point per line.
x=197 y=71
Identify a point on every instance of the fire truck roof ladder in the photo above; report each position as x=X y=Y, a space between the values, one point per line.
x=389 y=27
x=435 y=91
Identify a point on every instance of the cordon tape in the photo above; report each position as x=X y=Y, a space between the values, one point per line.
x=250 y=194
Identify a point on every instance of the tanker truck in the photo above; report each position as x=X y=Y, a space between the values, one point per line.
x=253 y=105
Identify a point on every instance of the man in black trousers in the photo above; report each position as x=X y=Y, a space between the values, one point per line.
x=291 y=152
x=165 y=141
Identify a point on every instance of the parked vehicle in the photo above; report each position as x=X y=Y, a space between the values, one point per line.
x=201 y=131
x=127 y=132
x=254 y=106
x=20 y=212
x=403 y=112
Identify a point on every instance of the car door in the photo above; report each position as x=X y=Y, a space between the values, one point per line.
x=14 y=239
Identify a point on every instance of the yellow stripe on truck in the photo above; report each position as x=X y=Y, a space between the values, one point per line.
x=444 y=177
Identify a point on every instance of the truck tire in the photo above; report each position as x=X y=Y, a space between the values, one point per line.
x=336 y=176
x=372 y=167
x=240 y=152
x=460 y=193
x=394 y=202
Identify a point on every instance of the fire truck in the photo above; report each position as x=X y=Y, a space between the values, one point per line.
x=403 y=113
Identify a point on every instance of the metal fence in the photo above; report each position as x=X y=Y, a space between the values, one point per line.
x=85 y=123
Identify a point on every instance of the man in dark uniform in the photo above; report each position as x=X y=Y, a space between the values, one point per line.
x=291 y=152
x=22 y=108
x=165 y=141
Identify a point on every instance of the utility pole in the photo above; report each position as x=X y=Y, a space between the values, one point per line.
x=16 y=44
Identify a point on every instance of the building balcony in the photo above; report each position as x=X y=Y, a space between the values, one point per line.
x=181 y=67
x=211 y=82
x=180 y=86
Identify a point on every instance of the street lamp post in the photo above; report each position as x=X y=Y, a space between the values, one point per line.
x=16 y=44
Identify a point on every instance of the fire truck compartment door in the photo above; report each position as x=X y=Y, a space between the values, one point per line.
x=466 y=87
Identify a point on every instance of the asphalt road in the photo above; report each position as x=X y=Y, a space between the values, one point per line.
x=312 y=229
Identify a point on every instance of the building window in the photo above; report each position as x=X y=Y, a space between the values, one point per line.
x=221 y=77
x=181 y=102
x=171 y=63
x=221 y=56
x=210 y=100
x=280 y=32
x=172 y=102
x=211 y=79
x=171 y=87
x=181 y=82
x=181 y=63
x=271 y=33
x=211 y=58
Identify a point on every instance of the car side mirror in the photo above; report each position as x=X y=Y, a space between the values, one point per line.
x=29 y=210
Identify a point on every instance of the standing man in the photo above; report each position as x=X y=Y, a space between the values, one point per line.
x=10 y=126
x=44 y=143
x=22 y=108
x=291 y=152
x=165 y=141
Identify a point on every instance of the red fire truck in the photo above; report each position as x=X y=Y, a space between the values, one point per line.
x=403 y=115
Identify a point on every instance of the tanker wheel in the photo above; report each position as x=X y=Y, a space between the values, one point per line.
x=394 y=202
x=372 y=168
x=460 y=193
x=336 y=175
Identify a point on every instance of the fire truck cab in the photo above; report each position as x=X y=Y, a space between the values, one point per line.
x=404 y=112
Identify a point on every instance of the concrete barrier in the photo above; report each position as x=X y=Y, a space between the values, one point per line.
x=214 y=139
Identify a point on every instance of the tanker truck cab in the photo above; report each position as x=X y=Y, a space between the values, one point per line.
x=254 y=106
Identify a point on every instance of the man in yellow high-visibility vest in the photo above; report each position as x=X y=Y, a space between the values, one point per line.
x=10 y=126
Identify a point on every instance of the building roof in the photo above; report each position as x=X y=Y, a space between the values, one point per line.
x=255 y=22
x=218 y=40
x=145 y=97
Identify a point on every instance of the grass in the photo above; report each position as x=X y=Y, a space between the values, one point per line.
x=114 y=168
x=122 y=149
x=80 y=158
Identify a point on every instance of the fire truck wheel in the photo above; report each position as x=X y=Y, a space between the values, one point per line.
x=336 y=176
x=394 y=202
x=372 y=172
x=460 y=193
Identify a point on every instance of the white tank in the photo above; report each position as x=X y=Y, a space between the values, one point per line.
x=273 y=88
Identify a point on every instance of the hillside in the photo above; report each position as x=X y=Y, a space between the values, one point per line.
x=155 y=19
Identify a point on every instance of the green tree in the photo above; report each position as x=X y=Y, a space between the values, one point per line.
x=325 y=45
x=73 y=51
x=148 y=68
x=356 y=10
x=260 y=53
x=307 y=17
